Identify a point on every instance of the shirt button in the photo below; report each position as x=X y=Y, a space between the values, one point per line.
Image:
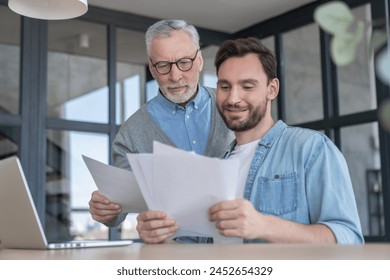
x=194 y=142
x=188 y=116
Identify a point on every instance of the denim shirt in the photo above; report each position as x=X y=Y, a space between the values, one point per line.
x=299 y=175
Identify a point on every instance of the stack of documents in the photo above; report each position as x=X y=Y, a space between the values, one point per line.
x=183 y=184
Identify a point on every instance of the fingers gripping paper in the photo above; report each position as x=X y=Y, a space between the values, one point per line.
x=183 y=184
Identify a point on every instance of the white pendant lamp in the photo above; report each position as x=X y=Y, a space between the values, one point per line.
x=49 y=9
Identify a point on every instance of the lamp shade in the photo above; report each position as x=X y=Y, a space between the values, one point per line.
x=49 y=9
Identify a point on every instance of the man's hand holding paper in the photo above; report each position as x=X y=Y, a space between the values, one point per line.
x=177 y=187
x=118 y=185
x=184 y=185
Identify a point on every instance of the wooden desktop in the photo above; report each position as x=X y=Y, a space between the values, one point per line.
x=139 y=251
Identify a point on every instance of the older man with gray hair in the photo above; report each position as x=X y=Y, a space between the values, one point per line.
x=183 y=114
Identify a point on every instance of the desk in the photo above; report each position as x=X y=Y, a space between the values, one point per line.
x=138 y=251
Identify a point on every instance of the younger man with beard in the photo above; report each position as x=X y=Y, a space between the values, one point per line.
x=295 y=181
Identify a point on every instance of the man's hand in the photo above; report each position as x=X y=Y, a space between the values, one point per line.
x=155 y=227
x=236 y=218
x=101 y=209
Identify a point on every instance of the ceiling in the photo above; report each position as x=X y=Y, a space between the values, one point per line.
x=227 y=16
x=221 y=15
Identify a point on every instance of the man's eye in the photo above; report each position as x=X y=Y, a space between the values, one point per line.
x=248 y=87
x=223 y=87
x=184 y=62
x=162 y=65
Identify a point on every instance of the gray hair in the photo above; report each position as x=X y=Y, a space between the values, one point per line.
x=164 y=29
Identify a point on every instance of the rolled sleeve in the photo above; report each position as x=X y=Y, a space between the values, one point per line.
x=331 y=198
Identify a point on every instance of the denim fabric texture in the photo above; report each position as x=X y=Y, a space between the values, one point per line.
x=299 y=174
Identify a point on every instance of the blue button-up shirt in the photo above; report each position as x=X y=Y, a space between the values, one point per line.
x=188 y=127
x=300 y=175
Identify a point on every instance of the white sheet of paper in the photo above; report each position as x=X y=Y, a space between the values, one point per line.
x=118 y=185
x=186 y=185
x=189 y=186
x=162 y=149
x=141 y=164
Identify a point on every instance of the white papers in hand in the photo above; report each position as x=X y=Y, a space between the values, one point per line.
x=185 y=186
x=118 y=185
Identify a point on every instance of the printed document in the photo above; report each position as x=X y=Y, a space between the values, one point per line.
x=185 y=185
x=118 y=185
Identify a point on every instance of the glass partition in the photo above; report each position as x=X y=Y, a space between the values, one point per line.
x=360 y=146
x=9 y=61
x=357 y=79
x=69 y=184
x=9 y=139
x=77 y=71
x=131 y=59
x=303 y=81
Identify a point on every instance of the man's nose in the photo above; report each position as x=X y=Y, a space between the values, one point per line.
x=234 y=96
x=175 y=73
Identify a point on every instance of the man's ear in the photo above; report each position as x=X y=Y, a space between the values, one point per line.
x=273 y=88
x=152 y=70
x=200 y=60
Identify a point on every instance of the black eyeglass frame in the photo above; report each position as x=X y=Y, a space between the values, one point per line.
x=175 y=62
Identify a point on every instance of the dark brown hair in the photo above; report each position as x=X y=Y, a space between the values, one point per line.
x=243 y=46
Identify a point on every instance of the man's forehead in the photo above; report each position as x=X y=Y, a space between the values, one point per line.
x=241 y=64
x=172 y=52
x=176 y=38
x=251 y=80
x=240 y=70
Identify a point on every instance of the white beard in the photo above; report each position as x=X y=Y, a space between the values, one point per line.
x=179 y=98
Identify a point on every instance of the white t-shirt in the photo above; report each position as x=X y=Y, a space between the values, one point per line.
x=244 y=154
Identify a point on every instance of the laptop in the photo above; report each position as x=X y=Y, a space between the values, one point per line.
x=20 y=226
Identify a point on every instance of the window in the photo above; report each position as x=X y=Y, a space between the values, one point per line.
x=151 y=89
x=9 y=83
x=9 y=137
x=361 y=149
x=77 y=69
x=357 y=79
x=9 y=61
x=303 y=88
x=208 y=76
x=69 y=184
x=130 y=72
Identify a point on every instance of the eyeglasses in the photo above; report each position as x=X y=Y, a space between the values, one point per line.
x=183 y=64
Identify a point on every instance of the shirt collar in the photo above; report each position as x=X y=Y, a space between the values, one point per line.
x=267 y=140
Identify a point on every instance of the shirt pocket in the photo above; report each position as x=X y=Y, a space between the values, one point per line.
x=276 y=195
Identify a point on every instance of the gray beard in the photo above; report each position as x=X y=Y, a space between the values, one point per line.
x=179 y=99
